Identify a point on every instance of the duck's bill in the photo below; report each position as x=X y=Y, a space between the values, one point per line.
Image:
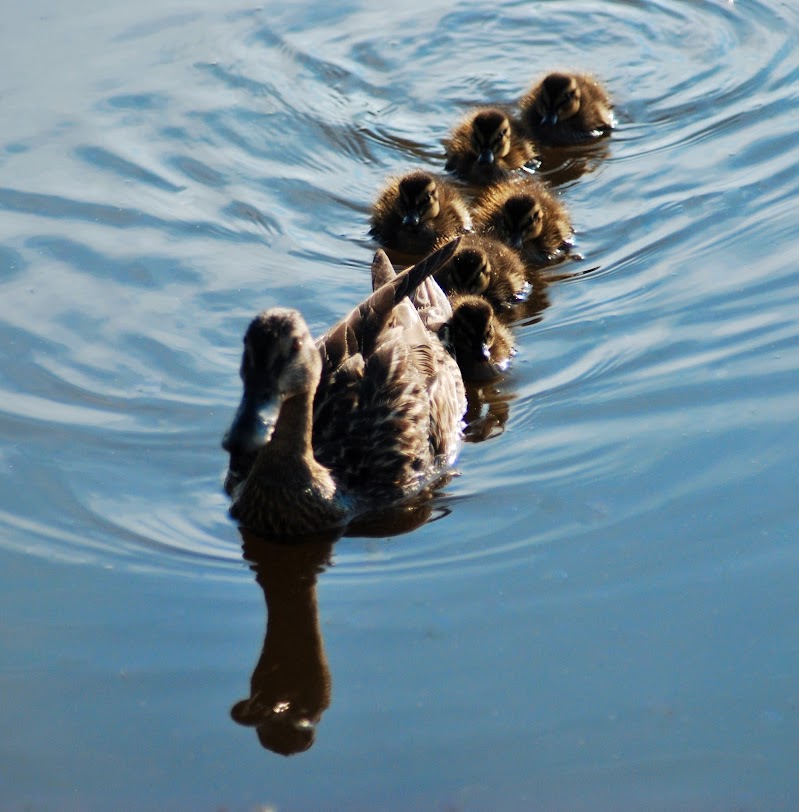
x=250 y=428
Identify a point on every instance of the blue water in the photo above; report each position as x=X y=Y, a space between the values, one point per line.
x=602 y=615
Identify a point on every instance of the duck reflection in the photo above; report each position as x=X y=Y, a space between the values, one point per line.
x=291 y=686
x=487 y=412
x=562 y=165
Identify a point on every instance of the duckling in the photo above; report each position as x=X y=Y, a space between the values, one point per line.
x=526 y=216
x=487 y=146
x=368 y=414
x=417 y=210
x=479 y=342
x=484 y=266
x=566 y=108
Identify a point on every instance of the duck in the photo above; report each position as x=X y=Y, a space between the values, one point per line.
x=415 y=211
x=488 y=145
x=480 y=343
x=566 y=108
x=367 y=415
x=526 y=216
x=484 y=266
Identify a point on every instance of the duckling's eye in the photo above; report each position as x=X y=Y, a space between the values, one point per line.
x=296 y=343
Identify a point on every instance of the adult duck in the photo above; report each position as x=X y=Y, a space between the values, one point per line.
x=367 y=415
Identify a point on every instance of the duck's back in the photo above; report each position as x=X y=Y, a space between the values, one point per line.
x=388 y=410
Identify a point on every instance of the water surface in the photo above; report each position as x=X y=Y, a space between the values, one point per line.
x=601 y=615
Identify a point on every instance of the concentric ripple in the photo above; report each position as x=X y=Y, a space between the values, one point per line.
x=236 y=172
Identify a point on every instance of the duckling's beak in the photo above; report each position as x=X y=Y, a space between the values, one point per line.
x=486 y=157
x=411 y=219
x=516 y=241
x=549 y=120
x=247 y=432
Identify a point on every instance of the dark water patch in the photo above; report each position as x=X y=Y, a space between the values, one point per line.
x=143 y=102
x=197 y=171
x=98 y=156
x=56 y=206
x=142 y=272
x=12 y=263
x=235 y=81
x=244 y=211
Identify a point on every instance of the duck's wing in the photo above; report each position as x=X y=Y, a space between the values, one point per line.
x=432 y=304
x=382 y=270
x=358 y=332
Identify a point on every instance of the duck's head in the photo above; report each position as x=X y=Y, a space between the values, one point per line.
x=559 y=98
x=470 y=270
x=279 y=360
x=490 y=136
x=471 y=332
x=418 y=199
x=522 y=219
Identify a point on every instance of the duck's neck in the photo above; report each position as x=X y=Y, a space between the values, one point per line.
x=288 y=491
x=291 y=438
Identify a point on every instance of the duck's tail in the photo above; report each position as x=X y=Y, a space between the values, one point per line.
x=358 y=332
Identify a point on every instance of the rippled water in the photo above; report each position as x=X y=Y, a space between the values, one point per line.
x=601 y=614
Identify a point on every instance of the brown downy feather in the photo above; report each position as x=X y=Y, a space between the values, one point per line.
x=416 y=211
x=487 y=146
x=486 y=267
x=566 y=108
x=525 y=215
x=480 y=343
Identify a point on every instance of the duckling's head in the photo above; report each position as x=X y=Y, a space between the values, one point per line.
x=471 y=332
x=418 y=199
x=470 y=271
x=522 y=220
x=490 y=136
x=280 y=360
x=559 y=98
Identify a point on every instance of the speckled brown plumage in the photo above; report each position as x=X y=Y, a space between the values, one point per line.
x=487 y=146
x=525 y=215
x=566 y=108
x=480 y=343
x=415 y=211
x=367 y=414
x=484 y=266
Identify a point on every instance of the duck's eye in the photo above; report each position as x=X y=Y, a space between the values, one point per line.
x=296 y=343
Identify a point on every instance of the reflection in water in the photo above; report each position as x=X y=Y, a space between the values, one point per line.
x=290 y=686
x=562 y=165
x=487 y=411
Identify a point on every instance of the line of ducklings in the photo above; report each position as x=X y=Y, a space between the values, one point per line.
x=372 y=411
x=512 y=224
